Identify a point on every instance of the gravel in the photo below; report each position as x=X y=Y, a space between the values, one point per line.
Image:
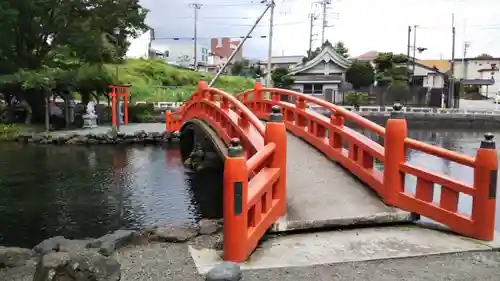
x=170 y=261
x=460 y=267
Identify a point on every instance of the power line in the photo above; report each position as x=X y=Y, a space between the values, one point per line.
x=192 y=38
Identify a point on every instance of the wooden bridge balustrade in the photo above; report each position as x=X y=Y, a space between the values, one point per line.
x=329 y=135
x=255 y=169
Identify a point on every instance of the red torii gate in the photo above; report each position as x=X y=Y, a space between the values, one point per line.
x=116 y=92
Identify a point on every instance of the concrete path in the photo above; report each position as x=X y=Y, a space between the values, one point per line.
x=355 y=245
x=321 y=194
x=128 y=129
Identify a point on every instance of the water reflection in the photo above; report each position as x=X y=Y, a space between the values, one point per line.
x=86 y=192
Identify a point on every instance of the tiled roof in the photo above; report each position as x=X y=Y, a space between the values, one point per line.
x=442 y=65
x=371 y=55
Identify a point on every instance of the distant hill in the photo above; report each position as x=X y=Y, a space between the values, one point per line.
x=155 y=80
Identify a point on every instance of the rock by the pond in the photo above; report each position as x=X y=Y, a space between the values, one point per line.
x=226 y=271
x=77 y=266
x=172 y=233
x=109 y=243
x=13 y=256
x=68 y=245
x=49 y=245
x=140 y=137
x=208 y=227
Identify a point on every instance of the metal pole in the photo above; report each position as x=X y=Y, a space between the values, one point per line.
x=414 y=53
x=452 y=72
x=269 y=80
x=408 y=49
x=237 y=48
x=196 y=7
x=324 y=3
x=310 y=34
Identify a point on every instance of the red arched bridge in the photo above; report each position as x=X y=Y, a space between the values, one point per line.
x=287 y=167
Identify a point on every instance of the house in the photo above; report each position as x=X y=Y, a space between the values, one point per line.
x=182 y=54
x=322 y=75
x=443 y=65
x=482 y=72
x=427 y=77
x=426 y=74
x=282 y=62
x=224 y=47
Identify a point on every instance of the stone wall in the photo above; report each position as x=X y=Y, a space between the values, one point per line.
x=445 y=121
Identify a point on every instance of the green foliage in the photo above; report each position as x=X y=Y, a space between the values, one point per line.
x=360 y=74
x=237 y=68
x=11 y=131
x=356 y=98
x=341 y=49
x=388 y=69
x=398 y=91
x=484 y=56
x=280 y=78
x=140 y=112
x=155 y=80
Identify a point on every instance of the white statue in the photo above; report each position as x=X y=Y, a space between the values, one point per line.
x=90 y=108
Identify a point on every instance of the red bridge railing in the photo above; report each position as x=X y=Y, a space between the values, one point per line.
x=255 y=168
x=329 y=135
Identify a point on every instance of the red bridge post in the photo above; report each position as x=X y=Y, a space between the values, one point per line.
x=257 y=97
x=235 y=195
x=276 y=133
x=395 y=134
x=485 y=184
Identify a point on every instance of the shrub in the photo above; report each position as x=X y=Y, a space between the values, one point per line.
x=356 y=98
x=139 y=113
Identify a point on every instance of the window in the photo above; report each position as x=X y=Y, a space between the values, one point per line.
x=313 y=89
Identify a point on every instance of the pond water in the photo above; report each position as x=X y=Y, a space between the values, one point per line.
x=83 y=192
x=466 y=142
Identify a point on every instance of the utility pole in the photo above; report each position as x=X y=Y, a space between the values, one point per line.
x=151 y=38
x=311 y=25
x=466 y=46
x=324 y=3
x=408 y=46
x=269 y=80
x=196 y=7
x=452 y=69
x=414 y=53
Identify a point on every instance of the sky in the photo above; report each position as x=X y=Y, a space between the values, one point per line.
x=363 y=25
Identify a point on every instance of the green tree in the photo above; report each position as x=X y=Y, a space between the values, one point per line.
x=237 y=68
x=388 y=68
x=52 y=39
x=484 y=56
x=280 y=78
x=341 y=49
x=356 y=99
x=360 y=74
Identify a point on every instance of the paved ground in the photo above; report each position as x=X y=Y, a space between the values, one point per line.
x=321 y=193
x=354 y=245
x=163 y=262
x=129 y=129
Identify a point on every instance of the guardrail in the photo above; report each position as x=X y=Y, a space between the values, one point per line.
x=368 y=109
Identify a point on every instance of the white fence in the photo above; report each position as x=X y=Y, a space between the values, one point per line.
x=455 y=111
x=368 y=109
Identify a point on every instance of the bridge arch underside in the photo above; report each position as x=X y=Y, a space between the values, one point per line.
x=206 y=175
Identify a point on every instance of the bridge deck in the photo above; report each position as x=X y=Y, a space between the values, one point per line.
x=321 y=194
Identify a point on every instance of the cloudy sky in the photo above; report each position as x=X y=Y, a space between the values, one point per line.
x=364 y=25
